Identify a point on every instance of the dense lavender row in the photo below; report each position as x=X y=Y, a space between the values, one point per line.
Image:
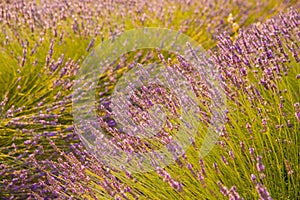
x=43 y=45
x=205 y=176
x=256 y=74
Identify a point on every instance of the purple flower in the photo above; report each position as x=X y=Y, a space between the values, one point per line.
x=260 y=167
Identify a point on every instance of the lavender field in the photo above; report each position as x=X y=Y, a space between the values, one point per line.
x=175 y=99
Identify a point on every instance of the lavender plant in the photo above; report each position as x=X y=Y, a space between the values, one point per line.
x=42 y=47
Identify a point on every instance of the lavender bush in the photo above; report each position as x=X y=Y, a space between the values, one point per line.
x=254 y=47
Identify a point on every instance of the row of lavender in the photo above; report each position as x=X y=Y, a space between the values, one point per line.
x=259 y=68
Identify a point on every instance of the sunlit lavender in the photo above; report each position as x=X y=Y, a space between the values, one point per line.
x=249 y=97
